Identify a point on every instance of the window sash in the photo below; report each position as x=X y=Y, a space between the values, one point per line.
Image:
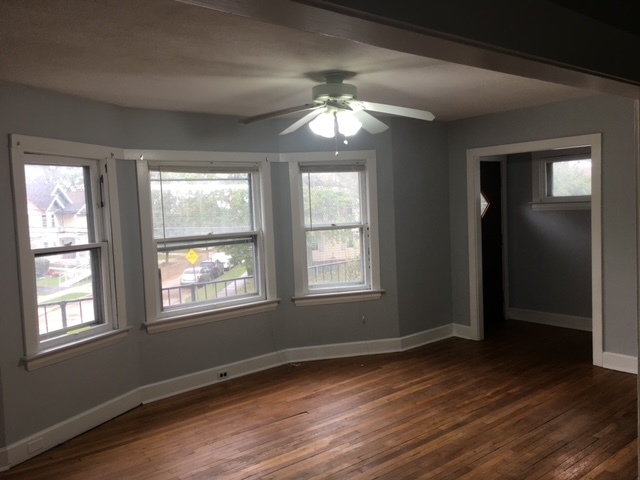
x=542 y=163
x=202 y=294
x=164 y=224
x=307 y=189
x=98 y=223
x=71 y=312
x=326 y=274
x=550 y=180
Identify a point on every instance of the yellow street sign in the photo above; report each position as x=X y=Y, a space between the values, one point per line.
x=192 y=256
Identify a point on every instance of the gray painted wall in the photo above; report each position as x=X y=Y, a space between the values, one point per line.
x=35 y=400
x=422 y=225
x=549 y=251
x=613 y=116
x=422 y=292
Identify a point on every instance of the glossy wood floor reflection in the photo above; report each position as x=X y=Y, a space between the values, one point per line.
x=524 y=404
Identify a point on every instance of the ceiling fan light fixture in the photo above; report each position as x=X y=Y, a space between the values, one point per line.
x=348 y=124
x=324 y=124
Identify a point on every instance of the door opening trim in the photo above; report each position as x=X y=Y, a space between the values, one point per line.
x=474 y=155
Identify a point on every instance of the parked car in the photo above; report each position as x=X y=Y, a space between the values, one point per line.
x=223 y=258
x=194 y=275
x=213 y=267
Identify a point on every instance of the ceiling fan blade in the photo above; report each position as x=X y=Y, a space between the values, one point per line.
x=400 y=111
x=284 y=111
x=370 y=123
x=306 y=119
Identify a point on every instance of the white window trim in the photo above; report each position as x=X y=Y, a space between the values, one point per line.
x=540 y=199
x=35 y=355
x=372 y=291
x=161 y=322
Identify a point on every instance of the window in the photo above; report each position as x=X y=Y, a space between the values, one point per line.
x=207 y=228
x=335 y=234
x=562 y=178
x=68 y=263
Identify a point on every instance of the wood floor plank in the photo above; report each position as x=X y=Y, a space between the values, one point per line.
x=524 y=404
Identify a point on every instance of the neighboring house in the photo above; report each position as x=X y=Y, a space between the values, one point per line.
x=56 y=216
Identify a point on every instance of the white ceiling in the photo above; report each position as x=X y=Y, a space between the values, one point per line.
x=163 y=54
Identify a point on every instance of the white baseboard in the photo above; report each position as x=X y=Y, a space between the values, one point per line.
x=339 y=350
x=553 y=319
x=425 y=337
x=174 y=386
x=462 y=331
x=61 y=432
x=622 y=363
x=35 y=444
x=56 y=434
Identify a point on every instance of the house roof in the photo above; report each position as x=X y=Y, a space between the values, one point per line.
x=48 y=196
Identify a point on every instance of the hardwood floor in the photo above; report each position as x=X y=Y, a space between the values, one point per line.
x=523 y=404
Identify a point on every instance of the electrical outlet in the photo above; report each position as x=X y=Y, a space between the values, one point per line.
x=223 y=375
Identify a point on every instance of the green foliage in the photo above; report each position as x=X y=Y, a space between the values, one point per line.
x=331 y=198
x=242 y=254
x=68 y=178
x=571 y=178
x=188 y=204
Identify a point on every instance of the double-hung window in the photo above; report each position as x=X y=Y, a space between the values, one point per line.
x=562 y=178
x=69 y=247
x=335 y=237
x=207 y=237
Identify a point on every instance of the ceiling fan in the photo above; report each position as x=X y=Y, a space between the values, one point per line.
x=335 y=109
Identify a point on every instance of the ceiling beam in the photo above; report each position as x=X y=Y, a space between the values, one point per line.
x=545 y=42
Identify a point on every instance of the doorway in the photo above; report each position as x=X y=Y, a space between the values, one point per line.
x=476 y=291
x=491 y=219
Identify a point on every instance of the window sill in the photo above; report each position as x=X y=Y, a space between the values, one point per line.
x=561 y=205
x=338 y=297
x=70 y=350
x=210 y=317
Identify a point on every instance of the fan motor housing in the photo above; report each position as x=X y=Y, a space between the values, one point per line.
x=336 y=91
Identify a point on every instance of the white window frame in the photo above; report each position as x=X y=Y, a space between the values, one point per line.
x=541 y=199
x=102 y=164
x=159 y=320
x=371 y=289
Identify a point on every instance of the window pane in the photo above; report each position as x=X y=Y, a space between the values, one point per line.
x=206 y=274
x=199 y=203
x=57 y=204
x=335 y=257
x=331 y=198
x=67 y=285
x=569 y=178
